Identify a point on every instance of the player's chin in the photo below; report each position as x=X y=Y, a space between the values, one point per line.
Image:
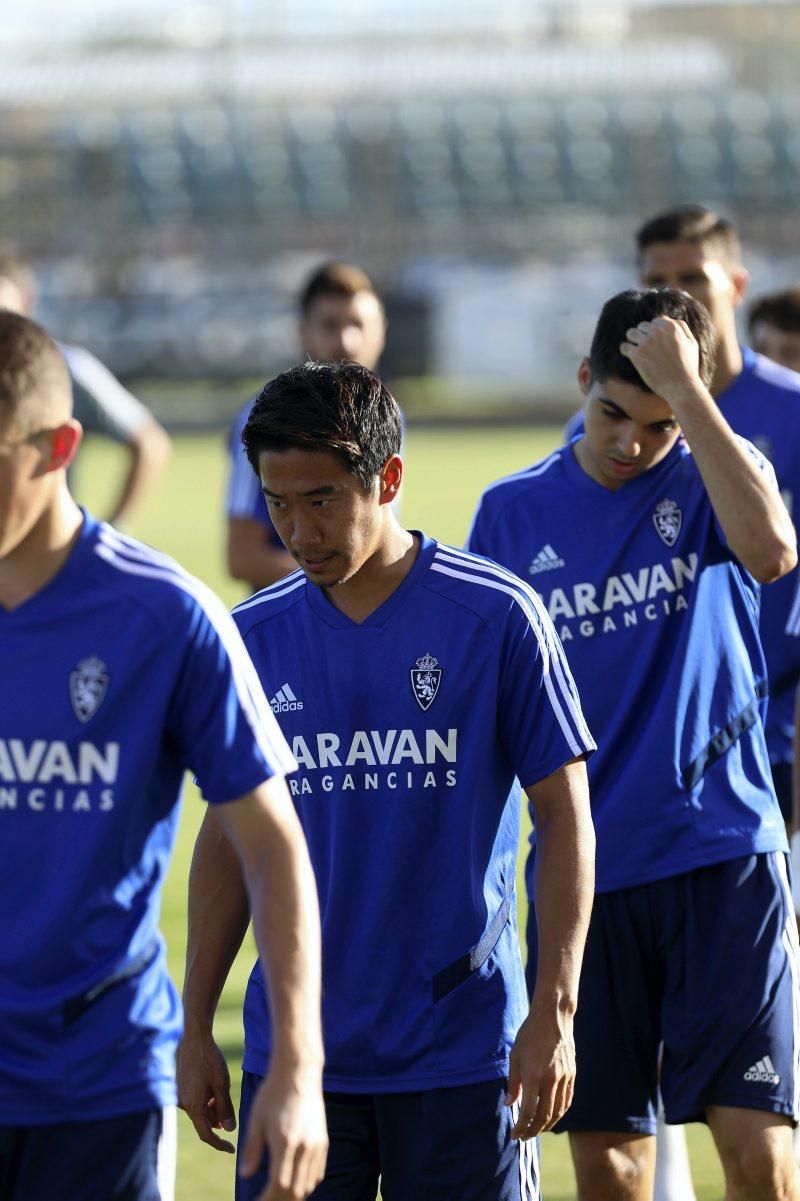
x=325 y=571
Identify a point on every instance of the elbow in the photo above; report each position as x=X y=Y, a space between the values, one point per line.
x=774 y=562
x=152 y=446
x=159 y=446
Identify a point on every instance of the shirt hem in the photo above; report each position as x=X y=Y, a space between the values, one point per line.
x=257 y=1065
x=90 y=1110
x=705 y=858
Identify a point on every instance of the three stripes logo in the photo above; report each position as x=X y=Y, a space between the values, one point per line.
x=762 y=1072
x=285 y=701
x=546 y=560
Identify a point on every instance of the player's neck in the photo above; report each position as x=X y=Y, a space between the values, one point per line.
x=729 y=363
x=42 y=553
x=379 y=576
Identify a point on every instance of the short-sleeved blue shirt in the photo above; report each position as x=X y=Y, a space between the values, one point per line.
x=245 y=498
x=412 y=731
x=659 y=622
x=119 y=674
x=763 y=405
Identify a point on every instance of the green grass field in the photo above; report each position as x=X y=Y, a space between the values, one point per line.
x=446 y=471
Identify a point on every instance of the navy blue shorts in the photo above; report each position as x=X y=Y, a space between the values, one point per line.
x=423 y=1146
x=705 y=962
x=115 y=1159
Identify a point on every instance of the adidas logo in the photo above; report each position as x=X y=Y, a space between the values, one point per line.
x=284 y=701
x=762 y=1072
x=546 y=560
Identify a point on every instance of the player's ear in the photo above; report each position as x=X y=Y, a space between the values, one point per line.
x=740 y=278
x=584 y=376
x=63 y=444
x=390 y=478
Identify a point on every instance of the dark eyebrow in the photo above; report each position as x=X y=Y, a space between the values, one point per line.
x=324 y=490
x=621 y=412
x=610 y=404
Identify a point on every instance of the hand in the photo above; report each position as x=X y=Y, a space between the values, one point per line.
x=204 y=1088
x=665 y=354
x=288 y=1118
x=542 y=1072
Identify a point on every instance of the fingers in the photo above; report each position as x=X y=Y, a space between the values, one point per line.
x=527 y=1110
x=253 y=1151
x=562 y=1099
x=300 y=1170
x=210 y=1108
x=204 y=1091
x=221 y=1107
x=202 y=1121
x=514 y=1085
x=542 y=1108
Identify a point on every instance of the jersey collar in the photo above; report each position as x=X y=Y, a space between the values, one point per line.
x=632 y=488
x=384 y=613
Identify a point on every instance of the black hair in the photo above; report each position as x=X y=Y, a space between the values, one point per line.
x=627 y=309
x=338 y=408
x=696 y=224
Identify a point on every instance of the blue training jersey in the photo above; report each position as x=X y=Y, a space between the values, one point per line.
x=763 y=405
x=659 y=622
x=411 y=731
x=245 y=498
x=120 y=673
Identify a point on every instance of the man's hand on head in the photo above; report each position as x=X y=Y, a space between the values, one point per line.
x=665 y=354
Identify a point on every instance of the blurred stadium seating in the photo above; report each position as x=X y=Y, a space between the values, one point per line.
x=199 y=183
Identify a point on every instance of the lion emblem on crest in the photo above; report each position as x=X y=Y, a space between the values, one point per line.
x=87 y=687
x=667 y=520
x=426 y=677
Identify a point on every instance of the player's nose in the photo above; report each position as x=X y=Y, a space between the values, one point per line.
x=305 y=531
x=629 y=442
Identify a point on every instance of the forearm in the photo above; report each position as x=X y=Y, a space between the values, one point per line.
x=148 y=455
x=285 y=910
x=749 y=508
x=267 y=835
x=563 y=892
x=218 y=919
x=251 y=558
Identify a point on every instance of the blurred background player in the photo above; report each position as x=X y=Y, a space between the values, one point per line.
x=773 y=322
x=100 y=402
x=415 y=682
x=341 y=319
x=646 y=547
x=126 y=671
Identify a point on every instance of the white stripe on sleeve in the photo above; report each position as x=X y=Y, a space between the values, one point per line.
x=559 y=661
x=113 y=548
x=556 y=693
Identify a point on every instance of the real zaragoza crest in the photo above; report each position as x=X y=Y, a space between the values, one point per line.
x=425 y=680
x=87 y=687
x=667 y=520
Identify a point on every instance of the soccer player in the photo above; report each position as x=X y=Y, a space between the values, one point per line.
x=693 y=249
x=774 y=326
x=418 y=685
x=646 y=547
x=341 y=319
x=100 y=403
x=120 y=670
